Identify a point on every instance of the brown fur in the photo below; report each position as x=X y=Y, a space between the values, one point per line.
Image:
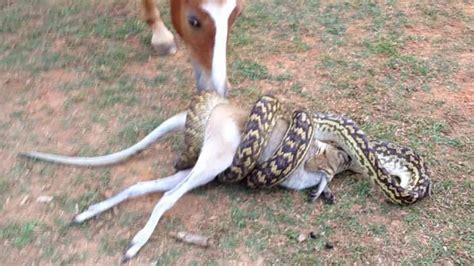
x=199 y=41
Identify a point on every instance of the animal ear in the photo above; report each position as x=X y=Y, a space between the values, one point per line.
x=235 y=13
x=238 y=9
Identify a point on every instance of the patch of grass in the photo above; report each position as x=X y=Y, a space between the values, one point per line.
x=50 y=253
x=229 y=242
x=443 y=66
x=276 y=216
x=157 y=81
x=73 y=101
x=256 y=243
x=296 y=88
x=378 y=229
x=15 y=56
x=241 y=217
x=79 y=84
x=123 y=92
x=380 y=131
x=62 y=225
x=362 y=188
x=130 y=27
x=74 y=258
x=168 y=257
x=436 y=130
x=247 y=69
x=101 y=178
x=87 y=199
x=111 y=245
x=135 y=130
x=249 y=92
x=103 y=27
x=332 y=20
x=17 y=115
x=129 y=218
x=66 y=20
x=108 y=64
x=283 y=77
x=343 y=74
x=10 y=20
x=19 y=169
x=45 y=61
x=409 y=65
x=384 y=46
x=71 y=205
x=4 y=185
x=412 y=218
x=354 y=224
x=300 y=46
x=242 y=39
x=369 y=60
x=20 y=235
x=331 y=62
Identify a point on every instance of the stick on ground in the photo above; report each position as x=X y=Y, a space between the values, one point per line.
x=195 y=239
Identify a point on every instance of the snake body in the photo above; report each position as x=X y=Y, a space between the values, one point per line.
x=371 y=158
x=260 y=124
x=400 y=173
x=289 y=155
x=199 y=110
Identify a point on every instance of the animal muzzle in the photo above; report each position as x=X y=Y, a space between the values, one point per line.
x=204 y=82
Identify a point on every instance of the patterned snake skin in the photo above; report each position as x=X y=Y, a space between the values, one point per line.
x=400 y=173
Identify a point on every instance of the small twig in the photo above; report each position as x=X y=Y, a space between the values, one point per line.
x=191 y=238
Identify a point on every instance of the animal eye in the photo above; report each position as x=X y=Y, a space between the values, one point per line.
x=194 y=22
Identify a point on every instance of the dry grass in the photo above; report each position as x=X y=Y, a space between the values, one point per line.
x=79 y=77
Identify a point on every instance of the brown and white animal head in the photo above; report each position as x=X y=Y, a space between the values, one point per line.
x=204 y=26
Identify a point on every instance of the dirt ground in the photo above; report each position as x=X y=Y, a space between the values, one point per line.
x=80 y=78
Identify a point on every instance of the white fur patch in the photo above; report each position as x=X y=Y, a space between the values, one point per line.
x=220 y=13
x=302 y=179
x=395 y=167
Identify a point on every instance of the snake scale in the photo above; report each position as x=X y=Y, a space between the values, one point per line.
x=400 y=173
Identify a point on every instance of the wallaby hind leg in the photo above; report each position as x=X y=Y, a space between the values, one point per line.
x=139 y=189
x=221 y=139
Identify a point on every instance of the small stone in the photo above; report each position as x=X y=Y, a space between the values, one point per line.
x=24 y=200
x=329 y=245
x=44 y=199
x=301 y=238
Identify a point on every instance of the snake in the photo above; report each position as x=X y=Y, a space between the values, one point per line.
x=198 y=112
x=400 y=173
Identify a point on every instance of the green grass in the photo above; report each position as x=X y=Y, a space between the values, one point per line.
x=168 y=257
x=111 y=245
x=398 y=69
x=72 y=205
x=123 y=93
x=20 y=235
x=135 y=130
x=249 y=70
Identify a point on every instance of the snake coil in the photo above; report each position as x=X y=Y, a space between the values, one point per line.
x=400 y=173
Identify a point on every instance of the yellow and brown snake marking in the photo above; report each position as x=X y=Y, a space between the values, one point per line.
x=260 y=124
x=288 y=156
x=372 y=158
x=400 y=173
x=199 y=110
